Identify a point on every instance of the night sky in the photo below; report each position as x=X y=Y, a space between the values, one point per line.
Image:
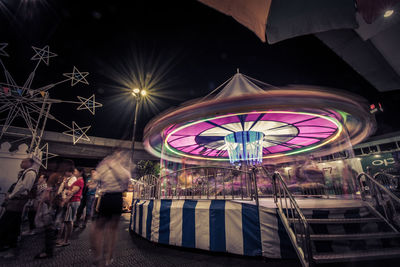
x=190 y=47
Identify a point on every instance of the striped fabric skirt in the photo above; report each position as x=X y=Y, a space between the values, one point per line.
x=214 y=225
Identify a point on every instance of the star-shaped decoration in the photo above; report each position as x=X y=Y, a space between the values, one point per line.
x=2 y=52
x=44 y=155
x=89 y=104
x=43 y=54
x=78 y=133
x=76 y=76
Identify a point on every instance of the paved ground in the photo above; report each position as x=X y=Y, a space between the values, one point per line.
x=132 y=250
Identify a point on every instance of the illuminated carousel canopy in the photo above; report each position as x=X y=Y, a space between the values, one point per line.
x=251 y=121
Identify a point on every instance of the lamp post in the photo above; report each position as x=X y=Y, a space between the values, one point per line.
x=138 y=94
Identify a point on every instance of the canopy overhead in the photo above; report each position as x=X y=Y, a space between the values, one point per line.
x=274 y=21
x=360 y=31
x=251 y=13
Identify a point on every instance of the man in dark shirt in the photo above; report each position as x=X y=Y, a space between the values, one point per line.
x=10 y=223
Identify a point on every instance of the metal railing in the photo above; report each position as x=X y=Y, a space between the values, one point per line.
x=146 y=187
x=389 y=181
x=208 y=183
x=381 y=199
x=293 y=219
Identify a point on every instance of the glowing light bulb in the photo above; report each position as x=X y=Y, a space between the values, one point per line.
x=388 y=13
x=136 y=90
x=143 y=92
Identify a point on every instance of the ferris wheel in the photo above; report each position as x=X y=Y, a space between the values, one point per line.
x=33 y=105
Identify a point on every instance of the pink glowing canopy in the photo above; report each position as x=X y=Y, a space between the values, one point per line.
x=284 y=131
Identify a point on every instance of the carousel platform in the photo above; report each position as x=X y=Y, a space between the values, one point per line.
x=337 y=226
x=214 y=225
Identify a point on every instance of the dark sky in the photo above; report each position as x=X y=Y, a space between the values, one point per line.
x=191 y=47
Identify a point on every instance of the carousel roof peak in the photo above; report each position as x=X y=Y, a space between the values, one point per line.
x=238 y=85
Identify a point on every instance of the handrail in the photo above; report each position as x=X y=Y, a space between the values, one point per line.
x=381 y=199
x=300 y=237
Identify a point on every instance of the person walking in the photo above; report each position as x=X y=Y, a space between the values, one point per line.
x=10 y=222
x=112 y=179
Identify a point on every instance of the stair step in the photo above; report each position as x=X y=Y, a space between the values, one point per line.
x=357 y=255
x=378 y=235
x=341 y=220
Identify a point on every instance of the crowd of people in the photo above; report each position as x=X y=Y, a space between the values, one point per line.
x=56 y=203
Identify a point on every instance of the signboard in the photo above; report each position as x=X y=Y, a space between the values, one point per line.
x=378 y=162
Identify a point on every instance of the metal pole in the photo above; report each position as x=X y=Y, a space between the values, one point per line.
x=223 y=185
x=215 y=183
x=192 y=189
x=208 y=184
x=255 y=185
x=134 y=125
x=274 y=187
x=133 y=148
x=233 y=177
x=241 y=183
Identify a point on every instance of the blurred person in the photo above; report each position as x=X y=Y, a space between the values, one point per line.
x=90 y=197
x=74 y=194
x=349 y=176
x=10 y=222
x=82 y=204
x=34 y=200
x=86 y=201
x=112 y=179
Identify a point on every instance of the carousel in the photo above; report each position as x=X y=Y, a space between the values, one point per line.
x=220 y=156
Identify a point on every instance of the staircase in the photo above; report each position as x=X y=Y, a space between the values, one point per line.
x=348 y=235
x=332 y=234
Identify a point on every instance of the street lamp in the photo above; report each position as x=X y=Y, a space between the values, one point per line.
x=388 y=13
x=138 y=94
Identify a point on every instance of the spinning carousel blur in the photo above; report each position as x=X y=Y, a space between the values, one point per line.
x=229 y=143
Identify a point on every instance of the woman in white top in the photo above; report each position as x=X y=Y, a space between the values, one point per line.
x=112 y=179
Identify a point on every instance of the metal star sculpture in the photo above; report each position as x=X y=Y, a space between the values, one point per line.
x=33 y=104
x=76 y=76
x=78 y=133
x=46 y=155
x=89 y=104
x=43 y=54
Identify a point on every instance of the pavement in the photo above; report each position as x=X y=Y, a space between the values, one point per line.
x=132 y=250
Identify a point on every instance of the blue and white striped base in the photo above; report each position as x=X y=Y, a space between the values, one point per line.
x=215 y=225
